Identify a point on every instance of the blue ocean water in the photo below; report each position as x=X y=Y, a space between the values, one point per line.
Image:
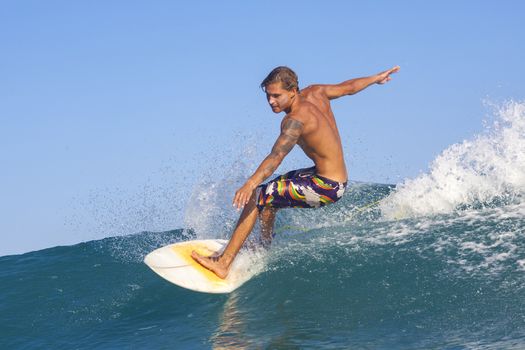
x=435 y=262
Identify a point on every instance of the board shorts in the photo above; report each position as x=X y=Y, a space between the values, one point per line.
x=301 y=188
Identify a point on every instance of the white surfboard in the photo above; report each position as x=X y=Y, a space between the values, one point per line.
x=174 y=263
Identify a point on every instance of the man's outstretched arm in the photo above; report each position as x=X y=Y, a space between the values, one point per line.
x=291 y=130
x=353 y=86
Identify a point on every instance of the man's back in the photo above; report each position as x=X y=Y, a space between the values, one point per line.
x=320 y=138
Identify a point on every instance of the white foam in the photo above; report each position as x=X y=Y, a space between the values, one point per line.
x=488 y=167
x=209 y=212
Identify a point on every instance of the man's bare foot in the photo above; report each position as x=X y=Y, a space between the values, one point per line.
x=213 y=263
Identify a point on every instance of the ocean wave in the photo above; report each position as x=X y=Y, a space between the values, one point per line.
x=488 y=169
x=434 y=262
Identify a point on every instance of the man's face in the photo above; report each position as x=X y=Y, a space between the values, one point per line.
x=278 y=98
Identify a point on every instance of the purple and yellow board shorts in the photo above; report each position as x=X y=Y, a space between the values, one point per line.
x=301 y=188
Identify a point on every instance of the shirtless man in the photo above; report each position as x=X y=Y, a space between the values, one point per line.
x=310 y=123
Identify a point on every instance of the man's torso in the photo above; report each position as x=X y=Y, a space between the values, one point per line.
x=320 y=139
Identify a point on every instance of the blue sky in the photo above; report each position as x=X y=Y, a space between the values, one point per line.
x=111 y=111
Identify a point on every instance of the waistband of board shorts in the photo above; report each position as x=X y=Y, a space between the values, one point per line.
x=330 y=181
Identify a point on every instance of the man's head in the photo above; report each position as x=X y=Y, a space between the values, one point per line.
x=283 y=75
x=281 y=87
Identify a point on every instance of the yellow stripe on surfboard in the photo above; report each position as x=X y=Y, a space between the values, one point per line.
x=184 y=251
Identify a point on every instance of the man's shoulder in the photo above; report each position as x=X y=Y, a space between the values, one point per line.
x=304 y=114
x=316 y=94
x=294 y=116
x=315 y=89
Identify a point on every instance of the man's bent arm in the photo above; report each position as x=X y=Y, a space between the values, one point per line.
x=353 y=86
x=291 y=130
x=290 y=133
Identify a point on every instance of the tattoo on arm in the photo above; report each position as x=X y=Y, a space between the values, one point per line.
x=290 y=133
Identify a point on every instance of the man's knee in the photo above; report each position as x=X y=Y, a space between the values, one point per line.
x=267 y=212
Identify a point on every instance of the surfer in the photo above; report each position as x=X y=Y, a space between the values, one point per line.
x=310 y=123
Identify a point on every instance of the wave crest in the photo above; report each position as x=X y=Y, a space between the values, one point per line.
x=488 y=168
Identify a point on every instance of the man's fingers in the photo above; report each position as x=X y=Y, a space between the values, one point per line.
x=386 y=74
x=241 y=198
x=238 y=205
x=237 y=200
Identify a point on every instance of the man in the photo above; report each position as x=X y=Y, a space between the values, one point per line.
x=310 y=123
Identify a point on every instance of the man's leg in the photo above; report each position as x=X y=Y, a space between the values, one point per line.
x=267 y=219
x=220 y=265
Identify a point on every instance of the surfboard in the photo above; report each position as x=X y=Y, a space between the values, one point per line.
x=175 y=264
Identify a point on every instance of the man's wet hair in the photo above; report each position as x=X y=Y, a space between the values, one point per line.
x=284 y=75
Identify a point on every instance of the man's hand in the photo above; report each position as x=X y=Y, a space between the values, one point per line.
x=243 y=194
x=385 y=76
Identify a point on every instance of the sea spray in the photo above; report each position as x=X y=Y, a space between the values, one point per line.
x=489 y=167
x=209 y=212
